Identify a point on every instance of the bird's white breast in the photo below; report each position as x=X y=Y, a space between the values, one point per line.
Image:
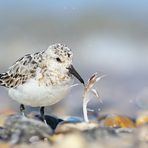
x=33 y=94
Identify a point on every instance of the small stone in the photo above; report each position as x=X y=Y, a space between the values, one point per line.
x=4 y=145
x=34 y=145
x=142 y=118
x=20 y=129
x=34 y=139
x=142 y=133
x=75 y=140
x=117 y=121
x=73 y=120
x=70 y=127
x=4 y=135
x=50 y=120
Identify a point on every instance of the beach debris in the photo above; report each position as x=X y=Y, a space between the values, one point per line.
x=90 y=92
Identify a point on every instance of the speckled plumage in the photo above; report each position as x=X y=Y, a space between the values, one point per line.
x=40 y=79
x=22 y=70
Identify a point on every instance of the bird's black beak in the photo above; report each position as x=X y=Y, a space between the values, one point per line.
x=75 y=73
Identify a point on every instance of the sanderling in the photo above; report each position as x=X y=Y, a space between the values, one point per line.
x=41 y=79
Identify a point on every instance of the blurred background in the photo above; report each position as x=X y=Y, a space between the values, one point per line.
x=108 y=37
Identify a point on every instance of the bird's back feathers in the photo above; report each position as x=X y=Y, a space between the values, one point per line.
x=23 y=69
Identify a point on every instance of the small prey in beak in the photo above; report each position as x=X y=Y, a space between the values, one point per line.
x=75 y=73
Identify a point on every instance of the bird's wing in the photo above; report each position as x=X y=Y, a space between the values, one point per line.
x=23 y=69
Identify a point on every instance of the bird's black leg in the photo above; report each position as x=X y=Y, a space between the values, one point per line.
x=42 y=114
x=22 y=109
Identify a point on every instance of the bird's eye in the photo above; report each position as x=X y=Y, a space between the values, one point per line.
x=59 y=60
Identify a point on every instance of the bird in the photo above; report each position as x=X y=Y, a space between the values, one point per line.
x=41 y=79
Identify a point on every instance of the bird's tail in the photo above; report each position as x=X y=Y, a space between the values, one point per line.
x=3 y=77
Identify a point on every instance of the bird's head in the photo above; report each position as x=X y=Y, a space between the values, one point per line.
x=60 y=56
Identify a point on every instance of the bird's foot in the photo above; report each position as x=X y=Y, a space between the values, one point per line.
x=22 y=110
